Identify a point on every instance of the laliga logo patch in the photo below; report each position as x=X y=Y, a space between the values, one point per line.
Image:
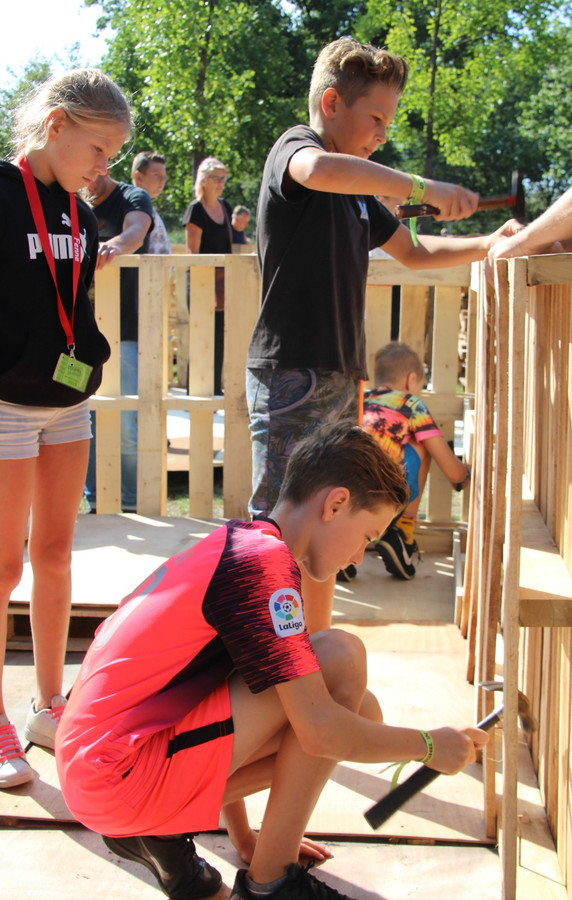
x=286 y=612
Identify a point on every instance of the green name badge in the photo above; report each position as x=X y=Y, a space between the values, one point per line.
x=72 y=372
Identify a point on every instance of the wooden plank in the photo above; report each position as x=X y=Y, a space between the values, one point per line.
x=71 y=862
x=412 y=321
x=201 y=383
x=151 y=423
x=242 y=290
x=108 y=424
x=444 y=374
x=389 y=271
x=563 y=829
x=377 y=324
x=554 y=268
x=545 y=588
x=510 y=624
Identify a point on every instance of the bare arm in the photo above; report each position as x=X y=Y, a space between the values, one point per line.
x=339 y=173
x=549 y=233
x=434 y=251
x=450 y=465
x=136 y=224
x=327 y=729
x=193 y=236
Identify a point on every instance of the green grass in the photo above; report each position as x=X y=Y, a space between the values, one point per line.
x=178 y=493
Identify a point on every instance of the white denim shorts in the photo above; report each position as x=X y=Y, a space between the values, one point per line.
x=24 y=428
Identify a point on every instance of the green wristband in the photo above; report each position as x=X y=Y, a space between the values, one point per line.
x=417 y=189
x=430 y=747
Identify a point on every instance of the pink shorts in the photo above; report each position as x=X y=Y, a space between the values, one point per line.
x=159 y=793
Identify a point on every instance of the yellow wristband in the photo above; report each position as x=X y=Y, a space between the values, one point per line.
x=430 y=747
x=417 y=189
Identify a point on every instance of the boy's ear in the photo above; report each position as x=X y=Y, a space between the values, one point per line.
x=335 y=501
x=330 y=102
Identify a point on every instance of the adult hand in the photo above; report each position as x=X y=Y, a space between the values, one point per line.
x=106 y=252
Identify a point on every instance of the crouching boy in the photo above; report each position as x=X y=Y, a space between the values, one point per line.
x=204 y=685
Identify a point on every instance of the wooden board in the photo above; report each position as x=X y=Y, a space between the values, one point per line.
x=122 y=550
x=545 y=591
x=69 y=863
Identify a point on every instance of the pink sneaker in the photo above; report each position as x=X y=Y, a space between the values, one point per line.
x=14 y=767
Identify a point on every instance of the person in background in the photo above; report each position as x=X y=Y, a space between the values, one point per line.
x=51 y=359
x=125 y=217
x=208 y=229
x=397 y=417
x=149 y=172
x=239 y=222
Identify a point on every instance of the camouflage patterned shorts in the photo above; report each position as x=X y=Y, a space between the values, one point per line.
x=286 y=405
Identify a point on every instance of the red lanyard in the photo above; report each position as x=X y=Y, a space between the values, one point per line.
x=40 y=222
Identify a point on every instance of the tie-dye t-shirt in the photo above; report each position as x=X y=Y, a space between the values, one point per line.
x=393 y=417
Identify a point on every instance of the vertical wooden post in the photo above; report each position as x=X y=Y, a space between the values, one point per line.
x=201 y=384
x=151 y=422
x=108 y=422
x=444 y=381
x=242 y=290
x=377 y=324
x=510 y=618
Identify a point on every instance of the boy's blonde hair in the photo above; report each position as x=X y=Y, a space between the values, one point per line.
x=87 y=96
x=351 y=68
x=395 y=361
x=343 y=455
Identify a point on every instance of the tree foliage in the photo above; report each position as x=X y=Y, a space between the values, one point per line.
x=488 y=90
x=35 y=72
x=208 y=78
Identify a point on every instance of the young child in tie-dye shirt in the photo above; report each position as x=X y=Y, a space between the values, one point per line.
x=398 y=418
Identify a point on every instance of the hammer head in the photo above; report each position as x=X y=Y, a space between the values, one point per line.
x=529 y=723
x=517 y=191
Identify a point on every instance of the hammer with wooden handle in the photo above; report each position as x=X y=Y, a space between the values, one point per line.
x=514 y=200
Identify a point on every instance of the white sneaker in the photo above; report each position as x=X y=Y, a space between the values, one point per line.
x=40 y=727
x=14 y=767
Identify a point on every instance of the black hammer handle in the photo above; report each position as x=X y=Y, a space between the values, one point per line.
x=381 y=811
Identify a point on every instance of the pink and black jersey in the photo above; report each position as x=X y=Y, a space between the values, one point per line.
x=232 y=602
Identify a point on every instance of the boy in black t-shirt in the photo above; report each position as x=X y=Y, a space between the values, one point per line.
x=318 y=217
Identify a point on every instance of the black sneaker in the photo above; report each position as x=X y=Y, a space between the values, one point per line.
x=347 y=574
x=174 y=863
x=299 y=884
x=397 y=554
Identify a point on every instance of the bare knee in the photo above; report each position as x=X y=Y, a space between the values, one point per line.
x=10 y=575
x=370 y=708
x=343 y=662
x=50 y=557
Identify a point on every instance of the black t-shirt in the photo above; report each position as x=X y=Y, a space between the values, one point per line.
x=110 y=214
x=215 y=238
x=313 y=254
x=31 y=334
